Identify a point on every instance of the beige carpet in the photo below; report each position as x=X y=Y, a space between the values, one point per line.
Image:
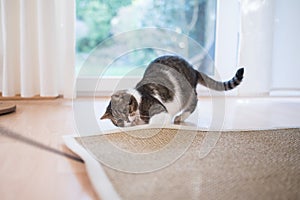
x=261 y=164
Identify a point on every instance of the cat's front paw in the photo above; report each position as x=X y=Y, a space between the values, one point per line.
x=177 y=120
x=137 y=122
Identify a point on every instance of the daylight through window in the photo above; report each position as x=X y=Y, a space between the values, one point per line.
x=98 y=20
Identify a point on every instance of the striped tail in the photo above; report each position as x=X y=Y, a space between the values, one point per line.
x=208 y=82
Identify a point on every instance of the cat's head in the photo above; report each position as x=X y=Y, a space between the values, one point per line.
x=121 y=109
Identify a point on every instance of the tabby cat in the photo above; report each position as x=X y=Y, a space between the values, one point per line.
x=166 y=93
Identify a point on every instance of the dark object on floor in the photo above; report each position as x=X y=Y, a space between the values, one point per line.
x=18 y=137
x=6 y=108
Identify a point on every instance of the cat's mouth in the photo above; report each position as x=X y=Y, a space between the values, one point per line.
x=131 y=121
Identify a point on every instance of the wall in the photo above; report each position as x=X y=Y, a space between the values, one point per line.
x=256 y=45
x=270 y=47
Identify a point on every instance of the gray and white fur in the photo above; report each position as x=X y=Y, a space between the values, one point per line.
x=166 y=93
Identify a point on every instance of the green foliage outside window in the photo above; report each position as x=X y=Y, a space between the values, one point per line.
x=95 y=16
x=99 y=19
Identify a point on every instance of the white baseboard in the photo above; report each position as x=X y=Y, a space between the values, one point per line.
x=285 y=93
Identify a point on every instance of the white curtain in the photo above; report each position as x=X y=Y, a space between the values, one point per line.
x=37 y=47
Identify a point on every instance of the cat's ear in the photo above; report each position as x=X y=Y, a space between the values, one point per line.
x=116 y=97
x=107 y=115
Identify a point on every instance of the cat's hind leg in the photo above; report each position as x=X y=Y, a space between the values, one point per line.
x=187 y=111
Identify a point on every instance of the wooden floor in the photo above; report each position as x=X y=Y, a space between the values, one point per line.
x=29 y=171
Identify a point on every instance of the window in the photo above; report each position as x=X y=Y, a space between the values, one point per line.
x=98 y=20
x=117 y=38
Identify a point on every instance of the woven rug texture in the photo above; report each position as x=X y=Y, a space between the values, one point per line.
x=261 y=164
